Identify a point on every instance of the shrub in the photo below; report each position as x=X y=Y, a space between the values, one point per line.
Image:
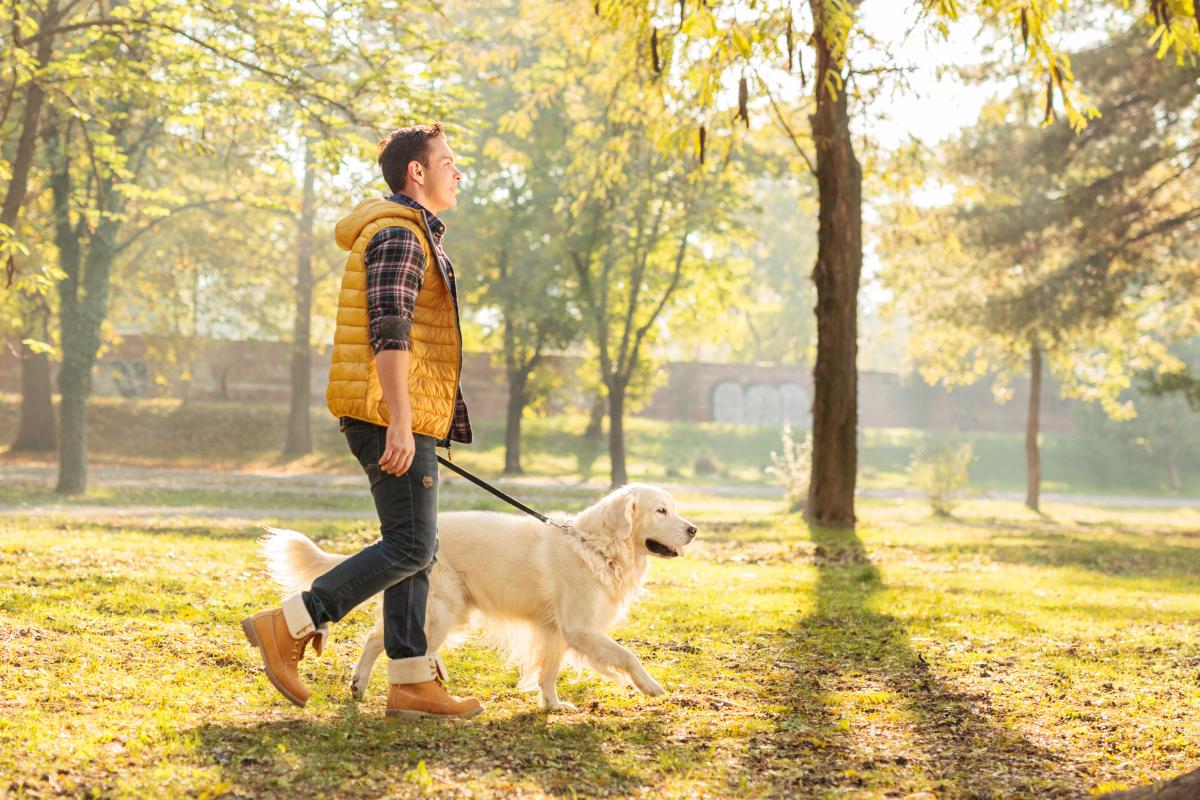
x=940 y=470
x=793 y=468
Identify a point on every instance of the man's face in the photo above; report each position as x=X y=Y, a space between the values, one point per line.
x=438 y=183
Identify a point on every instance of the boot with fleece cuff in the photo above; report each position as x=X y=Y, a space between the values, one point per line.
x=416 y=688
x=281 y=634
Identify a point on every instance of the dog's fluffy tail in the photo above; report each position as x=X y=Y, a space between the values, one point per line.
x=293 y=559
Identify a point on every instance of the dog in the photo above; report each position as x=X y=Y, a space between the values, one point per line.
x=544 y=594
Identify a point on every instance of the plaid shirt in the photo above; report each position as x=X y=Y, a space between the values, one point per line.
x=395 y=264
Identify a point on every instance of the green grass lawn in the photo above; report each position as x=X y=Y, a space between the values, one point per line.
x=998 y=654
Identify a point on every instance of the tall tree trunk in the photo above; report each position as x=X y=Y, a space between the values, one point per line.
x=22 y=162
x=299 y=431
x=83 y=294
x=81 y=323
x=1033 y=466
x=836 y=275
x=595 y=425
x=36 y=431
x=616 y=432
x=517 y=382
x=1172 y=468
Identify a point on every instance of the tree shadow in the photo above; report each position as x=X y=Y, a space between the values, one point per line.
x=1143 y=553
x=357 y=753
x=846 y=652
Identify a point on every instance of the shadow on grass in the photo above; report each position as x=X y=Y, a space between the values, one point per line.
x=362 y=754
x=909 y=731
x=1141 y=553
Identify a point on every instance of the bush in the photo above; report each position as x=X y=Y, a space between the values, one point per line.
x=940 y=469
x=705 y=462
x=793 y=468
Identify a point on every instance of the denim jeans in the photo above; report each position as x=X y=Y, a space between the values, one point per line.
x=398 y=564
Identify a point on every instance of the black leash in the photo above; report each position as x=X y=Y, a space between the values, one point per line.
x=481 y=483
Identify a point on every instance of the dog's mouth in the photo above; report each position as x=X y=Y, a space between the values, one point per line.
x=660 y=549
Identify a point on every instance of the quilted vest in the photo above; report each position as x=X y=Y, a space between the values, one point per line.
x=435 y=361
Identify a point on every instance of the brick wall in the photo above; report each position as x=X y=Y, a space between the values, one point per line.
x=763 y=394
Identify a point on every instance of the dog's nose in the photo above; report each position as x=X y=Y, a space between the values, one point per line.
x=691 y=532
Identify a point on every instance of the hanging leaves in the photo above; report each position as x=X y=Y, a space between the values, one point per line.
x=743 y=101
x=791 y=43
x=1161 y=12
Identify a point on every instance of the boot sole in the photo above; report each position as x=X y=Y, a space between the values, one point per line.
x=392 y=713
x=252 y=637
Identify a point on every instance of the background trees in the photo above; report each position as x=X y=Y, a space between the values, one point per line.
x=1059 y=249
x=722 y=44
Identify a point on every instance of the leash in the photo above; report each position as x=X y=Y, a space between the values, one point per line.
x=481 y=483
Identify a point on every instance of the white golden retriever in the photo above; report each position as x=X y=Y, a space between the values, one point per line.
x=544 y=594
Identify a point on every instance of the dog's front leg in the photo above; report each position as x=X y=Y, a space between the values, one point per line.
x=606 y=655
x=548 y=668
x=372 y=649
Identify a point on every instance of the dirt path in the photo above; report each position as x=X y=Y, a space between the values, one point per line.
x=351 y=485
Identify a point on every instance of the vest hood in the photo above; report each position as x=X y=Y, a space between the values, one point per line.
x=366 y=212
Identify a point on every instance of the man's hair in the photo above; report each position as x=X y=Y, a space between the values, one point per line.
x=403 y=146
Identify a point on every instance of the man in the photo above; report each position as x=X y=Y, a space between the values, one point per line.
x=394 y=385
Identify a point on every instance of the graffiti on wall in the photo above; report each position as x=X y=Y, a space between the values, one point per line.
x=763 y=404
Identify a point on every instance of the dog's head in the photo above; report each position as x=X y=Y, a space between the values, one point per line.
x=643 y=514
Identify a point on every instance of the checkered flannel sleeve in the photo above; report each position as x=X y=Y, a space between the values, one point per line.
x=395 y=265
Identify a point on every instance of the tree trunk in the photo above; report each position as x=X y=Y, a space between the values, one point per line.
x=36 y=431
x=595 y=425
x=75 y=386
x=1033 y=467
x=1172 y=468
x=616 y=433
x=836 y=275
x=299 y=432
x=512 y=426
x=83 y=293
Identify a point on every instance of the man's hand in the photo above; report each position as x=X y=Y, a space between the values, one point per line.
x=398 y=455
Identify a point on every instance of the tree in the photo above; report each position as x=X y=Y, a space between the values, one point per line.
x=516 y=265
x=1059 y=248
x=115 y=134
x=768 y=33
x=625 y=217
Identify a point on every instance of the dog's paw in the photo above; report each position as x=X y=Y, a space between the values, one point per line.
x=358 y=687
x=561 y=707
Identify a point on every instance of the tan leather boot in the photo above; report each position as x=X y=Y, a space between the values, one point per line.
x=416 y=688
x=272 y=632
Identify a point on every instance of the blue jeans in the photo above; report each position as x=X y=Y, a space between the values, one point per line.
x=398 y=564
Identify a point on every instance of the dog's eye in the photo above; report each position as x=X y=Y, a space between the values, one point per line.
x=662 y=511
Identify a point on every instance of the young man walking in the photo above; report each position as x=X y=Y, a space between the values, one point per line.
x=394 y=386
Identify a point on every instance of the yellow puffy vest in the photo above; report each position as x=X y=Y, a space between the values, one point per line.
x=435 y=361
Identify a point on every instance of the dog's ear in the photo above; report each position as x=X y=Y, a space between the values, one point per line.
x=613 y=515
x=621 y=514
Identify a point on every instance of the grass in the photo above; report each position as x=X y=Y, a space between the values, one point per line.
x=236 y=436
x=996 y=654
